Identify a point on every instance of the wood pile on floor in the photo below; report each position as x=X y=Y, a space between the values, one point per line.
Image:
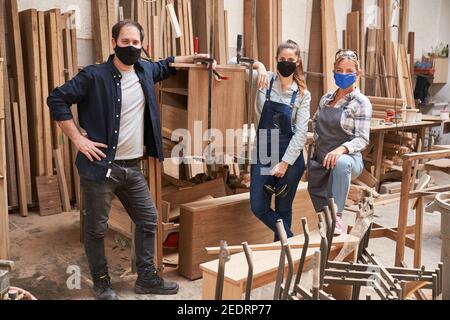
x=42 y=48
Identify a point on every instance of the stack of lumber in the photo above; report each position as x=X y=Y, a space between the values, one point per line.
x=209 y=24
x=42 y=49
x=160 y=39
x=382 y=105
x=267 y=34
x=385 y=64
x=388 y=73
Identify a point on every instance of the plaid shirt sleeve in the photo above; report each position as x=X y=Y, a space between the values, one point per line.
x=358 y=124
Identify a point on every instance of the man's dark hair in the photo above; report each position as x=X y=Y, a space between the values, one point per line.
x=119 y=25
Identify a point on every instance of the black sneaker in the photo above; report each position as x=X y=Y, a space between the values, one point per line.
x=103 y=289
x=151 y=283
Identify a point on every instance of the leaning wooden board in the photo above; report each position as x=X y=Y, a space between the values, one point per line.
x=205 y=223
x=4 y=225
x=10 y=155
x=329 y=43
x=18 y=88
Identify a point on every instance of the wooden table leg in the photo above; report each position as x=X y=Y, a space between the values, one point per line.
x=418 y=233
x=403 y=213
x=378 y=156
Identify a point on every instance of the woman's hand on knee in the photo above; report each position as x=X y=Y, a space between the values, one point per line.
x=279 y=171
x=332 y=158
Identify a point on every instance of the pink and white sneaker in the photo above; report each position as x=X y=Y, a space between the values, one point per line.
x=339 y=226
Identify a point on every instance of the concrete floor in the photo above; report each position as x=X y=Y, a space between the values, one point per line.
x=43 y=249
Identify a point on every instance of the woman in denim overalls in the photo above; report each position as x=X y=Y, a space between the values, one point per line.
x=277 y=168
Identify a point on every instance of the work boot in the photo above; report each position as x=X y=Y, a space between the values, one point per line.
x=151 y=283
x=103 y=289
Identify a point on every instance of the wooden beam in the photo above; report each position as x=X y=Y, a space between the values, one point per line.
x=4 y=225
x=329 y=43
x=17 y=72
x=314 y=79
x=65 y=199
x=23 y=207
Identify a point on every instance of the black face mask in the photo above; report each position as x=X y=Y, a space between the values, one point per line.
x=128 y=55
x=287 y=68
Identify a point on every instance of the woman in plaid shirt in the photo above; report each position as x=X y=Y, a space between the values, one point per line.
x=341 y=132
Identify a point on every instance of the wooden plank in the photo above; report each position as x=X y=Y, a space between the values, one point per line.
x=201 y=20
x=128 y=8
x=10 y=154
x=404 y=22
x=47 y=122
x=264 y=13
x=101 y=31
x=359 y=5
x=4 y=224
x=314 y=79
x=23 y=207
x=48 y=196
x=32 y=72
x=353 y=34
x=199 y=227
x=329 y=43
x=403 y=213
x=66 y=66
x=215 y=188
x=297 y=242
x=190 y=26
x=62 y=182
x=73 y=71
x=17 y=72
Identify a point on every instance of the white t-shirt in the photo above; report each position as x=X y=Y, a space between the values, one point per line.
x=131 y=134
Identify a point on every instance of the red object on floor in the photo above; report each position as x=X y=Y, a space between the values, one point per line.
x=172 y=241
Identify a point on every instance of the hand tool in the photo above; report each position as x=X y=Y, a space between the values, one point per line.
x=224 y=257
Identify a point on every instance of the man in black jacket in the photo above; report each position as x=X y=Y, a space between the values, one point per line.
x=117 y=108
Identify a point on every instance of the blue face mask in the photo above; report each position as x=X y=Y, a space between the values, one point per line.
x=344 y=81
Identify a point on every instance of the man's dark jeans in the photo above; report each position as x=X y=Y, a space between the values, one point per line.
x=129 y=185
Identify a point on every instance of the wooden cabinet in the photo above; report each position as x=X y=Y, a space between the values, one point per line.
x=184 y=101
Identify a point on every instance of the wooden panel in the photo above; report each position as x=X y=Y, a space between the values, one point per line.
x=10 y=154
x=199 y=227
x=264 y=13
x=32 y=64
x=48 y=195
x=329 y=43
x=215 y=188
x=47 y=135
x=23 y=207
x=17 y=72
x=359 y=6
x=4 y=224
x=201 y=20
x=173 y=119
x=315 y=61
x=101 y=30
x=62 y=180
x=227 y=110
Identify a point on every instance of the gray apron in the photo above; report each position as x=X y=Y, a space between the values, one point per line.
x=329 y=136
